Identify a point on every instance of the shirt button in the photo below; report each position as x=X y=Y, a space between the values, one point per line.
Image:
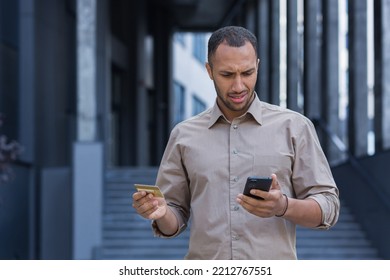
x=235 y=126
x=235 y=237
x=235 y=208
x=235 y=179
x=235 y=151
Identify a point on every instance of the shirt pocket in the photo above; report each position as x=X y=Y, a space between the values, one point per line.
x=281 y=165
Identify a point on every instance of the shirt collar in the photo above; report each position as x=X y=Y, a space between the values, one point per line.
x=254 y=110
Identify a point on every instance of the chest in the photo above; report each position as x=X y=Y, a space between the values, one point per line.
x=245 y=148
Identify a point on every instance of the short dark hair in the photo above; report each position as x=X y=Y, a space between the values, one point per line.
x=234 y=36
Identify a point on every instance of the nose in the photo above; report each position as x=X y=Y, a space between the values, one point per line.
x=238 y=84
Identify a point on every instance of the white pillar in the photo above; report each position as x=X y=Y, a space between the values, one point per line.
x=87 y=151
x=86 y=70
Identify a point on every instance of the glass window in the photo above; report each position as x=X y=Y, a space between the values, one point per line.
x=198 y=105
x=199 y=47
x=179 y=103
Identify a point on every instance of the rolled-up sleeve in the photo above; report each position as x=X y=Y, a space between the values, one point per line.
x=182 y=226
x=330 y=207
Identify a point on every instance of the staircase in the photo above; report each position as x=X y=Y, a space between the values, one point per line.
x=126 y=235
x=345 y=241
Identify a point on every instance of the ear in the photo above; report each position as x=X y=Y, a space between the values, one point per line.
x=209 y=70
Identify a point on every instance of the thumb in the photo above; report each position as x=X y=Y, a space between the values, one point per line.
x=275 y=183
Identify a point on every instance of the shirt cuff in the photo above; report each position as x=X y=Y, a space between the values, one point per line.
x=330 y=207
x=158 y=233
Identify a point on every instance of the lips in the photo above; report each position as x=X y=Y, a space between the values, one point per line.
x=238 y=98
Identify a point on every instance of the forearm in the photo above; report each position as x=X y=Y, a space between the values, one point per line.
x=305 y=212
x=168 y=224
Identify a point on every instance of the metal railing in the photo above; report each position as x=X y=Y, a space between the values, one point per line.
x=368 y=178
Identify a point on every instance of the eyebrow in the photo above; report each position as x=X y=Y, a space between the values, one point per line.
x=231 y=72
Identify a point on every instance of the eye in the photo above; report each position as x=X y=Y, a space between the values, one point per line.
x=248 y=73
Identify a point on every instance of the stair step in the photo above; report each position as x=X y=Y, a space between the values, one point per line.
x=144 y=254
x=125 y=200
x=142 y=242
x=327 y=242
x=135 y=233
x=140 y=175
x=123 y=209
x=330 y=234
x=342 y=253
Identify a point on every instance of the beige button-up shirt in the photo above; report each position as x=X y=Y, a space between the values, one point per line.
x=205 y=166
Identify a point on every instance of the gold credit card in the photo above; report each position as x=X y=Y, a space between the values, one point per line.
x=155 y=190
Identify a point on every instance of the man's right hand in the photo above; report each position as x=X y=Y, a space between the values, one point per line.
x=148 y=206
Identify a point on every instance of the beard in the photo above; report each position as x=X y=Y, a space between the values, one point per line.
x=225 y=103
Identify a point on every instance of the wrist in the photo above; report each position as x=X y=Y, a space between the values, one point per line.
x=285 y=207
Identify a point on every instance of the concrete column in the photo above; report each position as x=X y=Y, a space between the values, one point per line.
x=249 y=11
x=292 y=55
x=86 y=70
x=143 y=112
x=87 y=199
x=27 y=93
x=312 y=61
x=27 y=79
x=357 y=42
x=382 y=74
x=330 y=76
x=162 y=77
x=386 y=74
x=87 y=152
x=263 y=49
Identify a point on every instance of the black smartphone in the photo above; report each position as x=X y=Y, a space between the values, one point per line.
x=260 y=183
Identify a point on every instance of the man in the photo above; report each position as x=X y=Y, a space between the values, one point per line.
x=209 y=157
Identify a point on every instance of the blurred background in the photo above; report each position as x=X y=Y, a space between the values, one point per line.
x=92 y=88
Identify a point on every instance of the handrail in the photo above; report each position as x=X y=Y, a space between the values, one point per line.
x=366 y=176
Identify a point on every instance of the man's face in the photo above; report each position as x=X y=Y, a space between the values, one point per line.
x=234 y=73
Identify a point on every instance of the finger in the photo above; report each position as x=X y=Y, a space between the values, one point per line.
x=259 y=193
x=275 y=183
x=256 y=207
x=247 y=201
x=139 y=195
x=147 y=207
x=140 y=198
